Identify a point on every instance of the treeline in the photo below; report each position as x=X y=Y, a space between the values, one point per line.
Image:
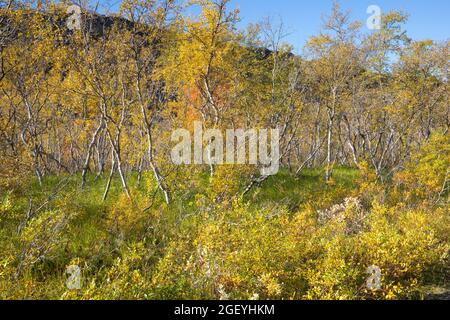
x=106 y=97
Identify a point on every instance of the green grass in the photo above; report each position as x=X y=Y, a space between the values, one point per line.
x=309 y=188
x=91 y=238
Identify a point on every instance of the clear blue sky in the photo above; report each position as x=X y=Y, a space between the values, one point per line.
x=428 y=19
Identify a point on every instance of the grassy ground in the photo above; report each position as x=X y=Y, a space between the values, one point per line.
x=100 y=235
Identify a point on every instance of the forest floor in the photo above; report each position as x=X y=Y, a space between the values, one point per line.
x=89 y=235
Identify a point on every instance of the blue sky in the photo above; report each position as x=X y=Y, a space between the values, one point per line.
x=427 y=19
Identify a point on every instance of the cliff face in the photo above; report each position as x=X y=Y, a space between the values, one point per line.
x=96 y=25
